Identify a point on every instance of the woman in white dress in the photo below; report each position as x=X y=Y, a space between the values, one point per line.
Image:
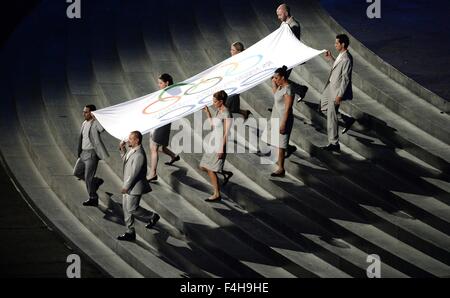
x=282 y=114
x=212 y=162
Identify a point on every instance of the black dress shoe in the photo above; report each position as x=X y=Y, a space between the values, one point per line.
x=331 y=148
x=247 y=114
x=280 y=174
x=169 y=163
x=302 y=93
x=100 y=181
x=127 y=237
x=91 y=202
x=155 y=178
x=226 y=177
x=348 y=125
x=260 y=154
x=153 y=221
x=290 y=149
x=213 y=200
x=269 y=109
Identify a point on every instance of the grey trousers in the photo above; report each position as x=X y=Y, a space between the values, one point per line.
x=85 y=169
x=132 y=210
x=332 y=119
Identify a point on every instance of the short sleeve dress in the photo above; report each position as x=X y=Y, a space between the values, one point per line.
x=276 y=139
x=210 y=160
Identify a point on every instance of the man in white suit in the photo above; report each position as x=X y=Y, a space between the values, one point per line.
x=90 y=150
x=135 y=184
x=338 y=88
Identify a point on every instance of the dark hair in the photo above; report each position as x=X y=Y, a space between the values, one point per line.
x=238 y=46
x=221 y=95
x=166 y=78
x=343 y=39
x=283 y=72
x=138 y=134
x=91 y=108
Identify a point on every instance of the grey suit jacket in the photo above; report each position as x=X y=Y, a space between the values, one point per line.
x=295 y=27
x=339 y=81
x=96 y=140
x=135 y=173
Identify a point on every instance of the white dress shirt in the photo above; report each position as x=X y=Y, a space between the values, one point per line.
x=86 y=142
x=131 y=152
x=339 y=57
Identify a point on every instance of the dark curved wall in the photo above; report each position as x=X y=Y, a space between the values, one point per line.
x=411 y=35
x=11 y=14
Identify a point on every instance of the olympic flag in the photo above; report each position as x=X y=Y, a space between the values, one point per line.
x=234 y=75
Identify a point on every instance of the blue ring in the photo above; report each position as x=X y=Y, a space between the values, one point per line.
x=248 y=58
x=252 y=78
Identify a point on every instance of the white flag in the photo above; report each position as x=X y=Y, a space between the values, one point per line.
x=234 y=75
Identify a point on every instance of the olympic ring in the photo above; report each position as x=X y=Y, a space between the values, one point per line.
x=258 y=76
x=230 y=72
x=235 y=64
x=203 y=82
x=176 y=99
x=202 y=101
x=189 y=108
x=172 y=87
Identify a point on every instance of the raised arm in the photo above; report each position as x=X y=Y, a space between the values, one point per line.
x=208 y=114
x=274 y=86
x=329 y=57
x=123 y=149
x=97 y=125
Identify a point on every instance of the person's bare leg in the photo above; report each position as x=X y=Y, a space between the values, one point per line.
x=215 y=184
x=280 y=162
x=245 y=113
x=169 y=152
x=154 y=160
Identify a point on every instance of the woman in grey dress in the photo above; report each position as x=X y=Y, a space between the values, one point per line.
x=233 y=102
x=159 y=138
x=213 y=160
x=282 y=114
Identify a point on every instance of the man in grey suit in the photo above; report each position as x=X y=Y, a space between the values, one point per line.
x=284 y=15
x=90 y=150
x=338 y=88
x=135 y=184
